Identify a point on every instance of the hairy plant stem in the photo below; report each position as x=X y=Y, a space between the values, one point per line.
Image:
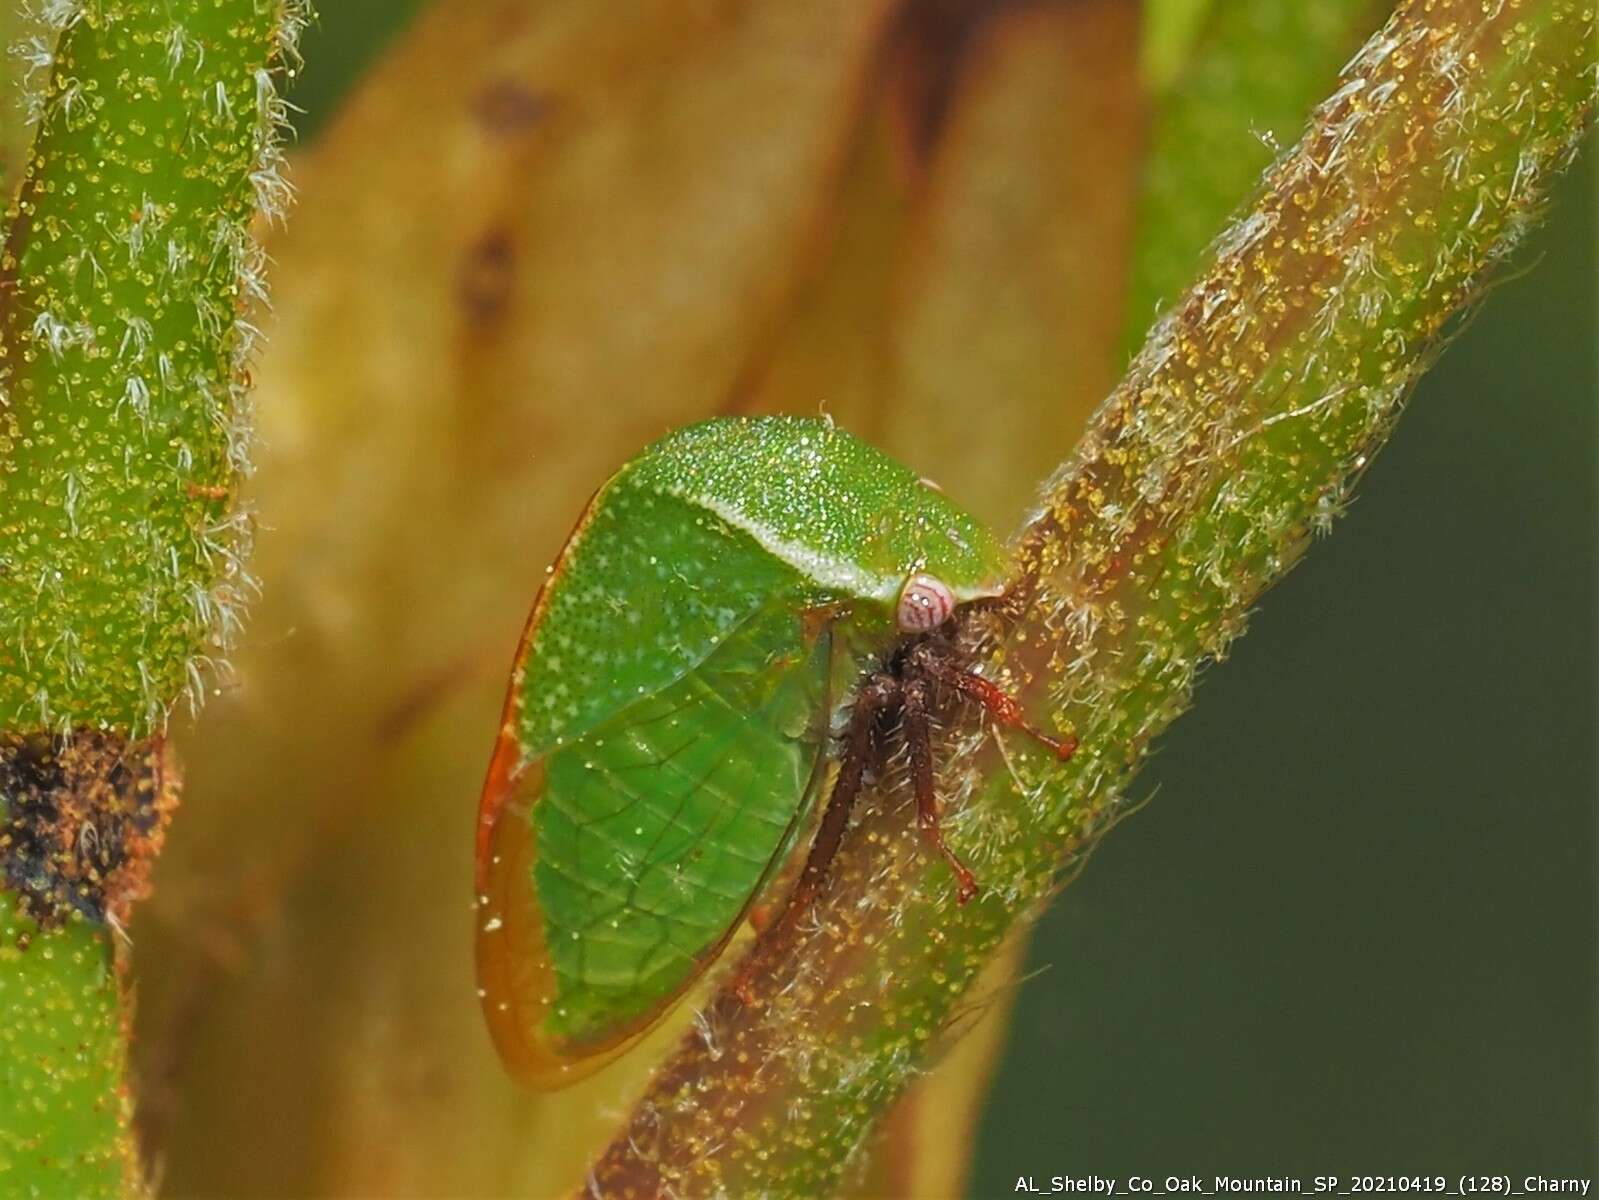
x=126 y=267
x=1255 y=404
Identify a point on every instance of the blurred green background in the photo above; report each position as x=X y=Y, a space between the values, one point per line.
x=1356 y=930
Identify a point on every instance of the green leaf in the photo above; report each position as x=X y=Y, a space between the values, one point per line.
x=1170 y=28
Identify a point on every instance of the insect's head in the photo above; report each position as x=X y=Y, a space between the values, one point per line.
x=925 y=602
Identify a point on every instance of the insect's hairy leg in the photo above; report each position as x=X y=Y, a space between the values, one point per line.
x=999 y=703
x=919 y=745
x=873 y=699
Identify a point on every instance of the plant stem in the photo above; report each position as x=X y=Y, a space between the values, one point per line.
x=126 y=270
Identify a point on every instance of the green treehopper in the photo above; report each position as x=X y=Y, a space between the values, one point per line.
x=729 y=598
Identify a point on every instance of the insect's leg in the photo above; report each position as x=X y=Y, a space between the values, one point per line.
x=1001 y=705
x=872 y=699
x=817 y=620
x=919 y=745
x=869 y=703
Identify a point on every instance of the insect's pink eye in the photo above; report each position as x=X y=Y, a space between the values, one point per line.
x=924 y=603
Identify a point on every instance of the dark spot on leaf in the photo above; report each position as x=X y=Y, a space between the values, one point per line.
x=422 y=699
x=486 y=274
x=84 y=817
x=929 y=51
x=506 y=108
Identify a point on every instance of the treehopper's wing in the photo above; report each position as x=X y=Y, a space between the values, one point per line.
x=623 y=861
x=663 y=736
x=668 y=716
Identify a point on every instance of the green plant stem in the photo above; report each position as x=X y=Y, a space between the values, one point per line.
x=126 y=268
x=65 y=1115
x=1252 y=408
x=127 y=263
